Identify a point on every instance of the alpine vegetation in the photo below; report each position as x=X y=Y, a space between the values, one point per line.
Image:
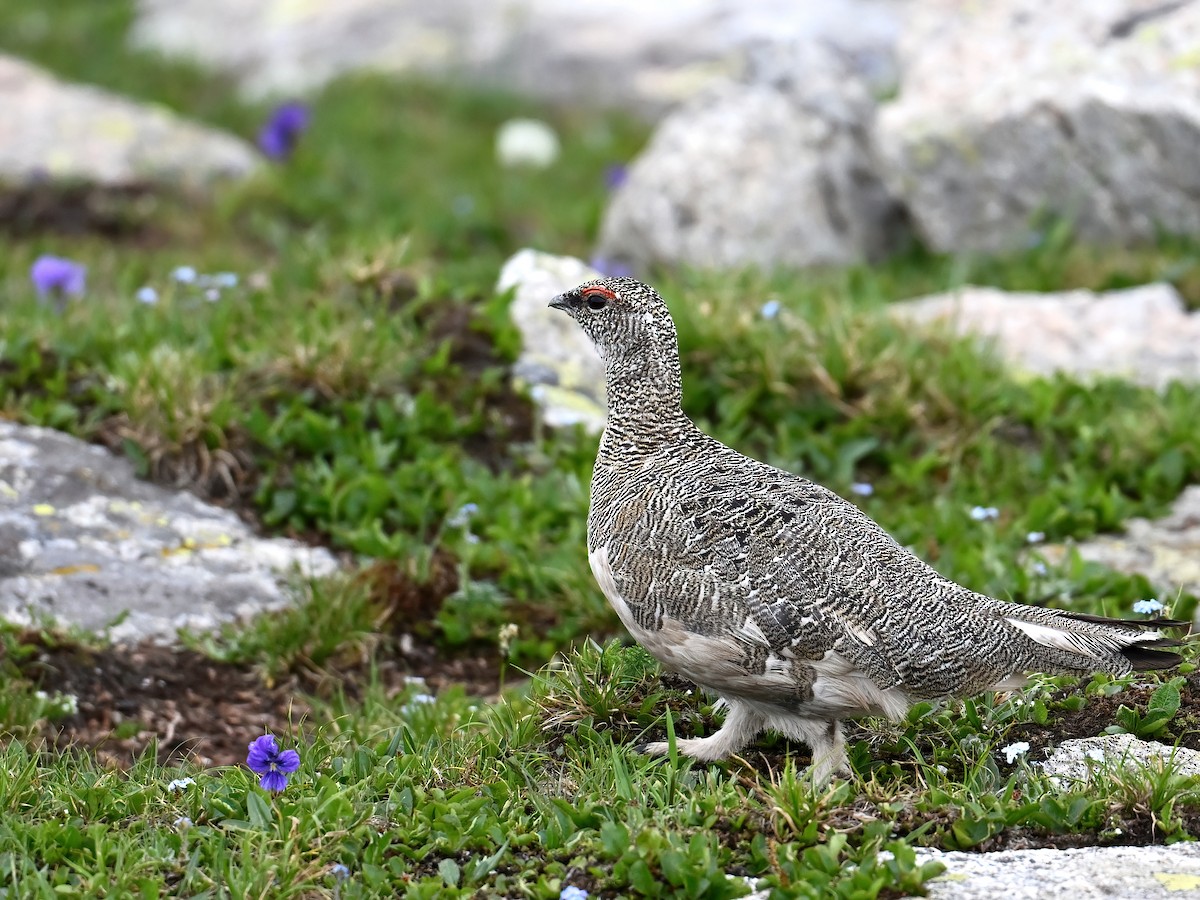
x=774 y=593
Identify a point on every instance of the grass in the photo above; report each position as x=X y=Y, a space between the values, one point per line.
x=353 y=390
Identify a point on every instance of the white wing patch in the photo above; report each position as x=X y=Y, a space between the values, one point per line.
x=1092 y=645
x=703 y=658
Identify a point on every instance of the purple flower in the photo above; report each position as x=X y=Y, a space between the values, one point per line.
x=278 y=137
x=610 y=267
x=614 y=177
x=53 y=275
x=270 y=763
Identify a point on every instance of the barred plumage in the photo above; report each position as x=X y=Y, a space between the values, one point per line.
x=776 y=594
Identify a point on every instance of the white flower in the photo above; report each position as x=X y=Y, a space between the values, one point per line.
x=1147 y=607
x=1035 y=537
x=417 y=700
x=147 y=295
x=526 y=142
x=212 y=295
x=1012 y=751
x=184 y=274
x=770 y=309
x=180 y=784
x=984 y=513
x=462 y=516
x=862 y=488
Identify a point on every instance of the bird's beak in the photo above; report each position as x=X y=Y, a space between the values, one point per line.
x=562 y=301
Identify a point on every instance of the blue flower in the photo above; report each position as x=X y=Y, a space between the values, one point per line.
x=862 y=488
x=56 y=276
x=282 y=131
x=570 y=892
x=770 y=309
x=272 y=764
x=1035 y=537
x=339 y=871
x=183 y=274
x=147 y=295
x=1147 y=607
x=984 y=513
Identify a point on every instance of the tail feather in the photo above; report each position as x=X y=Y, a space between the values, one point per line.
x=1136 y=643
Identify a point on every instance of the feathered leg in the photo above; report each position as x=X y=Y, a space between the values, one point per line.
x=742 y=725
x=826 y=742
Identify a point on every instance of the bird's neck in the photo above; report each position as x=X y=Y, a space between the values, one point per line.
x=645 y=395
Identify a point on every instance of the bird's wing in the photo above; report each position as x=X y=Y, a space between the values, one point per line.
x=782 y=570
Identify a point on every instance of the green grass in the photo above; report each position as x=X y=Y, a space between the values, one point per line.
x=353 y=389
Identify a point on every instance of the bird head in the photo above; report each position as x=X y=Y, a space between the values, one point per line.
x=622 y=316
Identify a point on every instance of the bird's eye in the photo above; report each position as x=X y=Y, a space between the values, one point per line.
x=597 y=297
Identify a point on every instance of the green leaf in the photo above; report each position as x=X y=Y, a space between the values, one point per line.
x=642 y=878
x=450 y=872
x=1165 y=701
x=259 y=810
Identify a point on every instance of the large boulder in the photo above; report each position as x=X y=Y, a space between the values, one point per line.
x=1013 y=113
x=770 y=170
x=85 y=543
x=642 y=56
x=52 y=131
x=1144 y=334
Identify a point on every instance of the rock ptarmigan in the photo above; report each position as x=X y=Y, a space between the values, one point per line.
x=774 y=593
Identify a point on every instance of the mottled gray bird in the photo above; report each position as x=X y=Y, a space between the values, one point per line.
x=772 y=592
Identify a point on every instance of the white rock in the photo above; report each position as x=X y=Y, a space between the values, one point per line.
x=1143 y=333
x=1080 y=760
x=118 y=548
x=772 y=171
x=557 y=361
x=628 y=53
x=1089 y=873
x=1166 y=550
x=1014 y=110
x=77 y=133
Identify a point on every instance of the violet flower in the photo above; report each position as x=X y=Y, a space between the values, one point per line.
x=273 y=765
x=280 y=134
x=54 y=276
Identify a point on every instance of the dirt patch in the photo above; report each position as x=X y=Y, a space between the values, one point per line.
x=208 y=711
x=116 y=213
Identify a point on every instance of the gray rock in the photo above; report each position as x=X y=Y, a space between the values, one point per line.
x=81 y=134
x=771 y=171
x=85 y=543
x=1080 y=760
x=1166 y=550
x=1013 y=110
x=1144 y=334
x=558 y=363
x=644 y=56
x=1089 y=873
